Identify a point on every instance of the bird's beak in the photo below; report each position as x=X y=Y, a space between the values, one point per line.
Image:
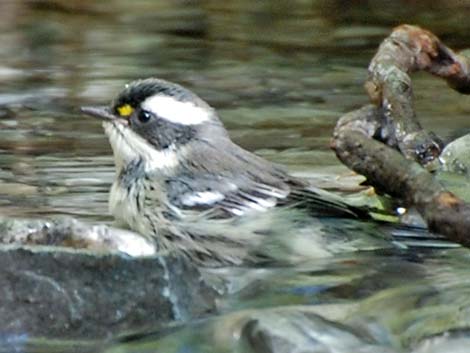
x=99 y=112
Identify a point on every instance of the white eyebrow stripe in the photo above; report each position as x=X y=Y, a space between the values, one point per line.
x=184 y=113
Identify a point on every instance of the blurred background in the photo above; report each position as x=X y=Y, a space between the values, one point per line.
x=279 y=72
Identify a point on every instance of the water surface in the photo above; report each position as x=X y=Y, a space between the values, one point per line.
x=280 y=74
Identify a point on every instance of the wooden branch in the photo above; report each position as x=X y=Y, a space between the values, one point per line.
x=387 y=170
x=406 y=50
x=385 y=141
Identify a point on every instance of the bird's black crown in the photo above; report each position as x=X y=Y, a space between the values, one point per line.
x=138 y=91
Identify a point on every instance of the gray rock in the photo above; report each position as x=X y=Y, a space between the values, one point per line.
x=285 y=331
x=456 y=157
x=70 y=233
x=59 y=292
x=289 y=329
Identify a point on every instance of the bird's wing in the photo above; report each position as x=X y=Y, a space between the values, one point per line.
x=226 y=197
x=223 y=197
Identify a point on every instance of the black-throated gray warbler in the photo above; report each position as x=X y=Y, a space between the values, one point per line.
x=184 y=183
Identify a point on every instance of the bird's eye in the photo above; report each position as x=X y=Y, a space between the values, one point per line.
x=144 y=116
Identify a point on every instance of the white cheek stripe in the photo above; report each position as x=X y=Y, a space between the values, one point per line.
x=124 y=152
x=184 y=113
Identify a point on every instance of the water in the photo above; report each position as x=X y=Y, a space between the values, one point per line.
x=280 y=74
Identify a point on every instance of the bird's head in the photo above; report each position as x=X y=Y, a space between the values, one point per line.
x=156 y=121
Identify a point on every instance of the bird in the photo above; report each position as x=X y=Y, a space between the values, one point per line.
x=183 y=183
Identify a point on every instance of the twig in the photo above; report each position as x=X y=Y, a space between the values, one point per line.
x=406 y=50
x=366 y=140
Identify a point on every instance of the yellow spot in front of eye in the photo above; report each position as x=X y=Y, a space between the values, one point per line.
x=125 y=110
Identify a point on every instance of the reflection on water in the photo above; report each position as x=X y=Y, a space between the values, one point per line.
x=279 y=73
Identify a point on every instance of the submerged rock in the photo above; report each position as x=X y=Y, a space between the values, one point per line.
x=58 y=292
x=270 y=330
x=294 y=329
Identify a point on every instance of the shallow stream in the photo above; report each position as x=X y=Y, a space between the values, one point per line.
x=279 y=73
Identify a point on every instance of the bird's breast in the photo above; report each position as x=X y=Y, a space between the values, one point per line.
x=124 y=204
x=140 y=204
